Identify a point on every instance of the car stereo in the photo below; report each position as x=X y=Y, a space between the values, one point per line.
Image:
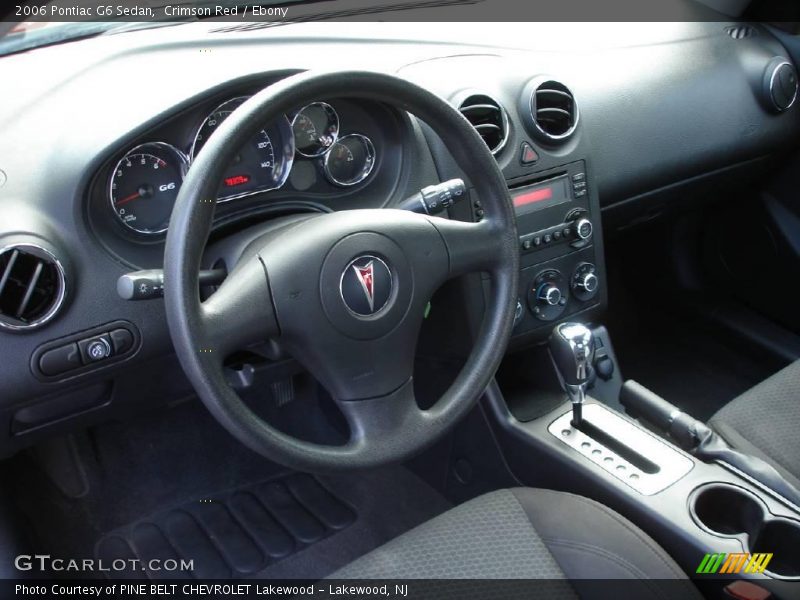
x=559 y=247
x=550 y=192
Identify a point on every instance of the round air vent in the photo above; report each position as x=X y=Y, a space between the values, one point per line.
x=488 y=118
x=550 y=109
x=32 y=286
x=780 y=84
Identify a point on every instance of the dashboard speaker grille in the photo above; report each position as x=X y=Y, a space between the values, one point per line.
x=554 y=110
x=742 y=31
x=488 y=118
x=32 y=287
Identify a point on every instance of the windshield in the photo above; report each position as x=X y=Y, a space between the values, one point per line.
x=30 y=25
x=28 y=35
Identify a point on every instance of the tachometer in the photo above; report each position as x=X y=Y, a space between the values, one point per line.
x=144 y=185
x=260 y=165
x=350 y=160
x=315 y=128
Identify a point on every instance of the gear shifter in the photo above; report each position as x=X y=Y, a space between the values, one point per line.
x=572 y=350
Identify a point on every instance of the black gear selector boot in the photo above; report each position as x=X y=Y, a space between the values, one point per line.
x=572 y=351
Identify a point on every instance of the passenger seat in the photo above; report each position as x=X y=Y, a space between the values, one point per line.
x=765 y=422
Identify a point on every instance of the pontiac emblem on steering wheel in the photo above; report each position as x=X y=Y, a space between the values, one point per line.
x=366 y=285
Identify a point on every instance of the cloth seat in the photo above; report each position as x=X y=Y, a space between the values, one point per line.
x=527 y=533
x=765 y=421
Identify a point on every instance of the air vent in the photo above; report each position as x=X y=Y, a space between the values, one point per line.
x=740 y=32
x=32 y=286
x=488 y=118
x=553 y=110
x=780 y=85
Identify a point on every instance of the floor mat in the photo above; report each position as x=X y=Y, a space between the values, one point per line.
x=388 y=502
x=175 y=484
x=297 y=526
x=235 y=534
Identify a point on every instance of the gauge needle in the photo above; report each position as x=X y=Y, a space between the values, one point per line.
x=133 y=196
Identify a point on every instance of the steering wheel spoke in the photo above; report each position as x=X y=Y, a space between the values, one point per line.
x=383 y=423
x=471 y=247
x=240 y=312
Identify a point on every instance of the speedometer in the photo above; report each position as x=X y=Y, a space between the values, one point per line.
x=262 y=164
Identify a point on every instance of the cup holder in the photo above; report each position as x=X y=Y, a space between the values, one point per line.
x=782 y=538
x=730 y=511
x=727 y=510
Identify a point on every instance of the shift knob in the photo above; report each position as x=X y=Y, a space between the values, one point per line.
x=572 y=349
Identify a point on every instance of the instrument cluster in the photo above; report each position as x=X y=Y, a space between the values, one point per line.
x=144 y=183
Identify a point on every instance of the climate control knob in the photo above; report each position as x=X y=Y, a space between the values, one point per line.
x=549 y=294
x=585 y=282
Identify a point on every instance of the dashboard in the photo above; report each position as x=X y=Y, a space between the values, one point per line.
x=95 y=145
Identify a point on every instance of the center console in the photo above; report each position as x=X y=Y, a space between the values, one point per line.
x=722 y=525
x=558 y=222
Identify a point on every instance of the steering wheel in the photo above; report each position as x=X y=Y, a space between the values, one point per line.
x=344 y=293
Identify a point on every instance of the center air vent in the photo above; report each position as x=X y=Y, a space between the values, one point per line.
x=488 y=118
x=32 y=286
x=553 y=111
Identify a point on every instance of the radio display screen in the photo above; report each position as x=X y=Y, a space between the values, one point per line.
x=536 y=197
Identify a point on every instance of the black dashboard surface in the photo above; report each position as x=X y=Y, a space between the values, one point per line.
x=659 y=104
